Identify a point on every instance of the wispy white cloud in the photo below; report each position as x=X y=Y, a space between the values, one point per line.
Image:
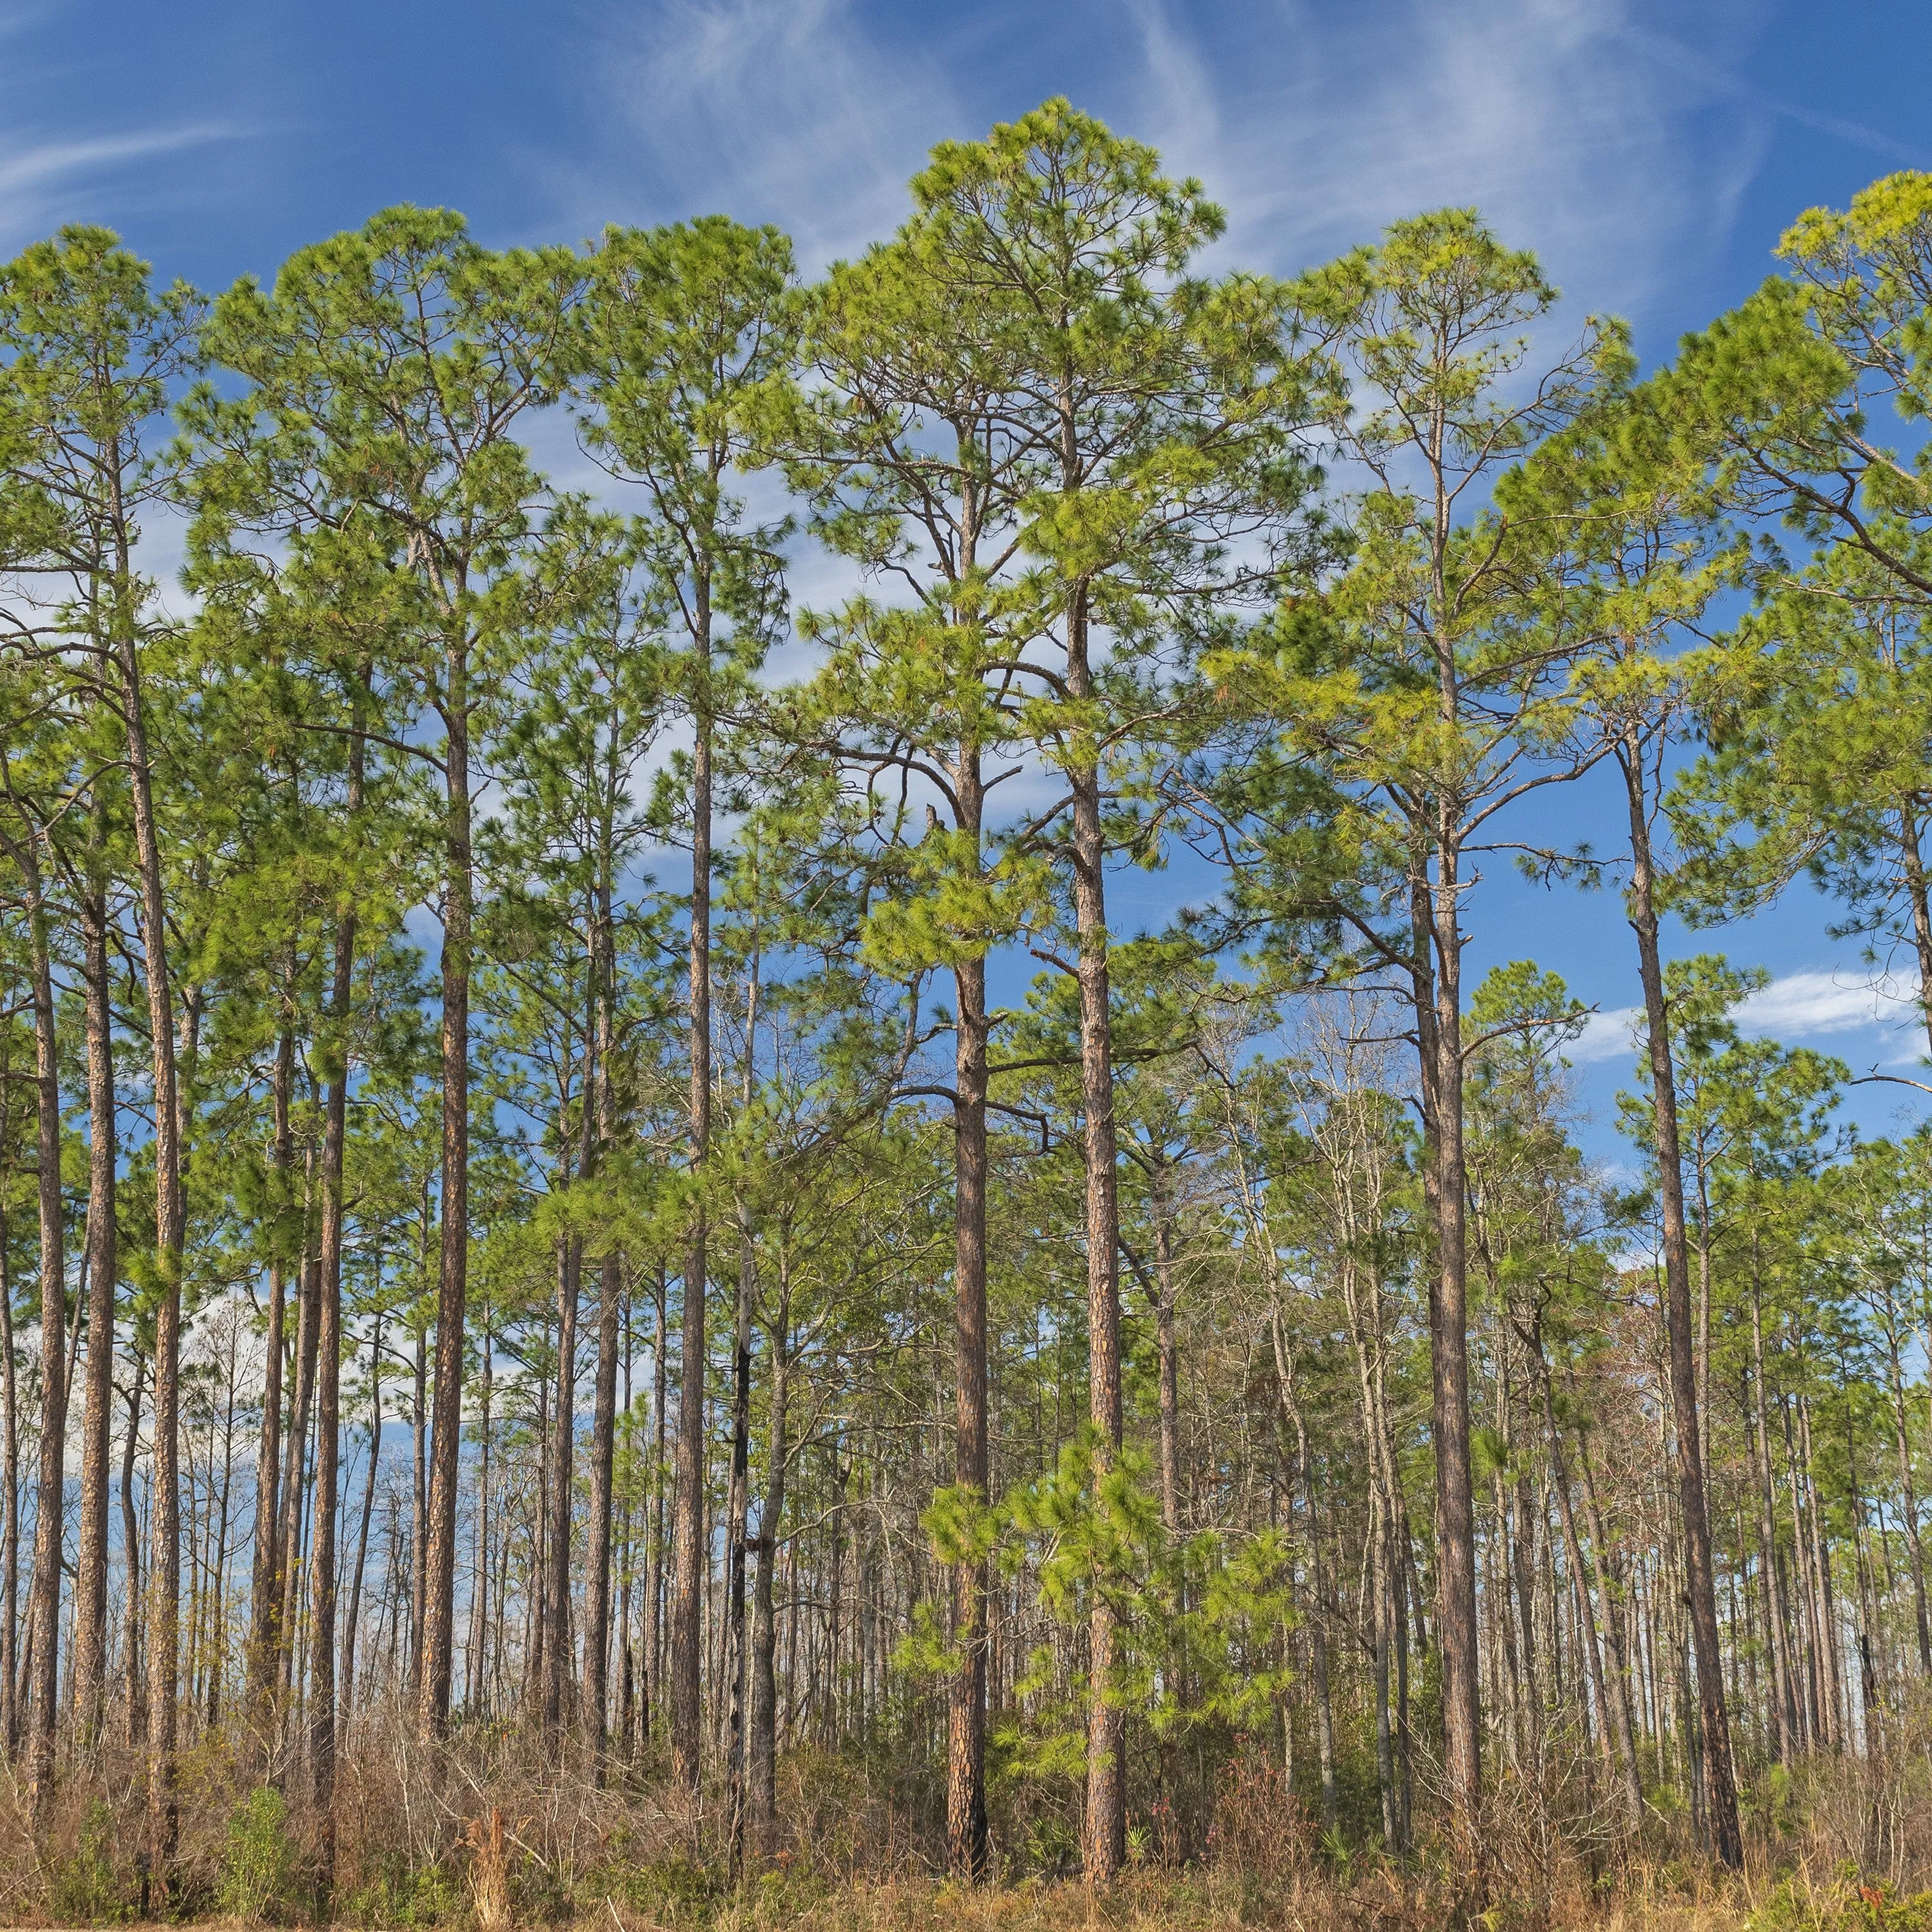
x=1608 y=146
x=36 y=166
x=47 y=177
x=1804 y=1005
x=1610 y=149
x=784 y=110
x=1610 y=1035
x=1798 y=1006
x=45 y=182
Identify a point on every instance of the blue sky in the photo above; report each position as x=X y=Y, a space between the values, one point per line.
x=1651 y=153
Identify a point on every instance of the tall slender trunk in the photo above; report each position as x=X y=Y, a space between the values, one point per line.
x=1720 y=1778
x=557 y=1655
x=761 y=1771
x=476 y=1661
x=1436 y=906
x=133 y=1663
x=9 y=1490
x=1912 y=860
x=688 y=1543
x=90 y=1632
x=294 y=1471
x=1831 y=1662
x=419 y=1514
x=1449 y=1350
x=651 y=1639
x=966 y=1840
x=322 y=1730
x=1922 y=1623
x=352 y=1620
x=50 y=1511
x=733 y=1654
x=265 y=1642
x=1169 y=1361
x=1317 y=1629
x=604 y=1418
x=1105 y=1840
x=1615 y=1738
x=164 y=1514
x=438 y=1609
x=1784 y=1705
x=1615 y=1632
x=738 y=1504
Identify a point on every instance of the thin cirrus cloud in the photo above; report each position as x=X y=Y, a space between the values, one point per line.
x=1580 y=127
x=772 y=110
x=45 y=182
x=1797 y=1006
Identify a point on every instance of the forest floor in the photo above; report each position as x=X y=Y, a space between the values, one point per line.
x=1376 y=1902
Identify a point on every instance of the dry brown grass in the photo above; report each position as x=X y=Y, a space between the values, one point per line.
x=490 y=1833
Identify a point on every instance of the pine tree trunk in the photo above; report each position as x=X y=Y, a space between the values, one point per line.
x=761 y=1777
x=328 y=1394
x=9 y=1532
x=1913 y=866
x=90 y=1636
x=604 y=1418
x=294 y=1472
x=1720 y=1778
x=557 y=1661
x=50 y=1512
x=132 y=1661
x=1105 y=1841
x=966 y=1844
x=688 y=1541
x=1921 y=1623
x=352 y=1622
x=1449 y=1348
x=164 y=1518
x=654 y=1579
x=439 y=1607
x=1616 y=1742
x=265 y=1639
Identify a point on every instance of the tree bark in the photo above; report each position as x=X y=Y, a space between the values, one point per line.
x=1169 y=1360
x=1921 y=1623
x=556 y=1657
x=1449 y=1345
x=761 y=1776
x=90 y=1634
x=1617 y=1744
x=654 y=1527
x=50 y=1513
x=322 y=1736
x=604 y=1419
x=966 y=1839
x=295 y=1471
x=1720 y=1778
x=346 y=1678
x=265 y=1639
x=164 y=1516
x=1105 y=1841
x=688 y=1544
x=438 y=1611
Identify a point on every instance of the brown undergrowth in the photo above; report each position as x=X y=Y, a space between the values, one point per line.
x=489 y=1833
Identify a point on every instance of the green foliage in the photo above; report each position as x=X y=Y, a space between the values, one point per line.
x=1796 y=1905
x=395 y=1891
x=260 y=1861
x=92 y=1887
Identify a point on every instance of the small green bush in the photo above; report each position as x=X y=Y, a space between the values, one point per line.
x=90 y=1888
x=1846 y=1907
x=675 y=1891
x=394 y=1893
x=260 y=1860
